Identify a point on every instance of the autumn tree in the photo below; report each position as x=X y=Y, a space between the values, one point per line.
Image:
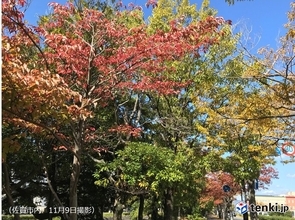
x=81 y=61
x=278 y=80
x=266 y=111
x=267 y=174
x=172 y=118
x=215 y=195
x=268 y=104
x=230 y=102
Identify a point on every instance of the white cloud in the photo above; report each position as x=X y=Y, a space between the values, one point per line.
x=291 y=175
x=278 y=191
x=266 y=192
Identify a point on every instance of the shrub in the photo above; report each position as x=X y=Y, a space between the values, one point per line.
x=195 y=217
x=289 y=214
x=263 y=217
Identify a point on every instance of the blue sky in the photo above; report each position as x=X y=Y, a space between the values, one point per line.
x=264 y=18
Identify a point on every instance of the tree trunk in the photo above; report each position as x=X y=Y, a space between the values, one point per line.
x=253 y=215
x=140 y=208
x=176 y=212
x=99 y=212
x=76 y=166
x=7 y=189
x=118 y=210
x=245 y=216
x=52 y=180
x=168 y=204
x=219 y=210
x=154 y=208
x=225 y=211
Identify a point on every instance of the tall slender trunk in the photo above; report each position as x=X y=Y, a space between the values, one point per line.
x=76 y=168
x=154 y=208
x=168 y=204
x=73 y=197
x=7 y=189
x=50 y=197
x=140 y=208
x=53 y=183
x=219 y=210
x=245 y=216
x=253 y=215
x=224 y=211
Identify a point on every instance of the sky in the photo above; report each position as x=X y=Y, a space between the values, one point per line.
x=264 y=21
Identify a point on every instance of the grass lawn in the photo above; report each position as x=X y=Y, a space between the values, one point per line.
x=107 y=214
x=110 y=214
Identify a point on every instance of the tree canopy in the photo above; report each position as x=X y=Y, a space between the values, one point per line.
x=100 y=103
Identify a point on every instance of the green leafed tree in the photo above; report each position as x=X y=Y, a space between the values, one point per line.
x=147 y=171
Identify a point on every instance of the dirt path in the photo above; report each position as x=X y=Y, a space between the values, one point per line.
x=212 y=217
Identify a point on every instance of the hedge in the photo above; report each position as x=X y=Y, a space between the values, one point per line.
x=264 y=217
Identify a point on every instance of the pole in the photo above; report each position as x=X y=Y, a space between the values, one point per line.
x=245 y=216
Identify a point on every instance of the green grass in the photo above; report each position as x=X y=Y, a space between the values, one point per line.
x=263 y=217
x=110 y=215
x=107 y=215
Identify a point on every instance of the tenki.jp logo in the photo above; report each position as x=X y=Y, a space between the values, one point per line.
x=243 y=208
x=269 y=208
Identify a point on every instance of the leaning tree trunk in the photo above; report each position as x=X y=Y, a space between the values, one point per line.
x=7 y=188
x=168 y=204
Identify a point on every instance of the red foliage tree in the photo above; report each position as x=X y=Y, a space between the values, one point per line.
x=214 y=187
x=267 y=173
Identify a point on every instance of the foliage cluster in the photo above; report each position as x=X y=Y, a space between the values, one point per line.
x=103 y=109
